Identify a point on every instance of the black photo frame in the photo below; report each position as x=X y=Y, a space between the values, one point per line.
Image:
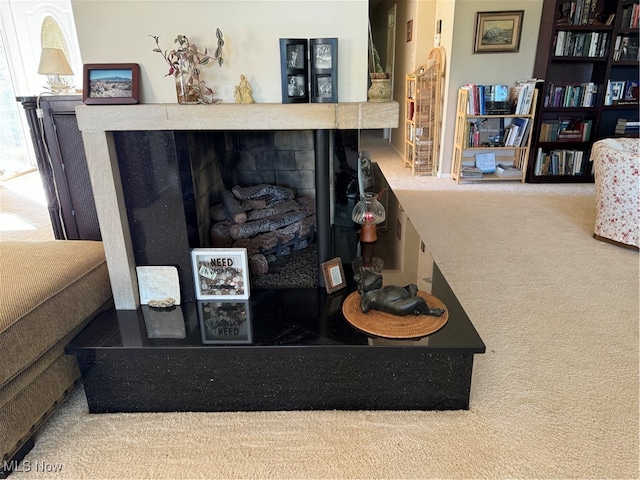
x=294 y=67
x=323 y=53
x=111 y=83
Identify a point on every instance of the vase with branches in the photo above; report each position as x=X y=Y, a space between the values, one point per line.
x=184 y=65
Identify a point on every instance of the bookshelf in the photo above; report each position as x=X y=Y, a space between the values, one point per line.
x=588 y=57
x=479 y=136
x=422 y=115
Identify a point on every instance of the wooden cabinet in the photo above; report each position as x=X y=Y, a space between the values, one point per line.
x=466 y=150
x=62 y=165
x=578 y=61
x=423 y=116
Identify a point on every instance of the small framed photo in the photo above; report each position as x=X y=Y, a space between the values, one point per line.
x=111 y=83
x=294 y=68
x=225 y=322
x=333 y=274
x=324 y=70
x=409 y=30
x=220 y=273
x=498 y=32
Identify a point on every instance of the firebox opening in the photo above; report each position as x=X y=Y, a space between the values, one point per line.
x=256 y=190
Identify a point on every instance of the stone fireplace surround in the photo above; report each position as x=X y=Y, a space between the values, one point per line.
x=99 y=122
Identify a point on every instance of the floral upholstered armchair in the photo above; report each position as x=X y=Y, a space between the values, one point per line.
x=617 y=179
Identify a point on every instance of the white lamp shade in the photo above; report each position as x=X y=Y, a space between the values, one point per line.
x=54 y=62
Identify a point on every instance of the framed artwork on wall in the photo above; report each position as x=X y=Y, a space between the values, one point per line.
x=220 y=273
x=498 y=32
x=324 y=70
x=111 y=83
x=294 y=68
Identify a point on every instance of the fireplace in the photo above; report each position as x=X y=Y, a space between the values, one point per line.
x=178 y=187
x=138 y=180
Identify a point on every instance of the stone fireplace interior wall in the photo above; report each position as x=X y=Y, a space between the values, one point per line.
x=205 y=152
x=222 y=160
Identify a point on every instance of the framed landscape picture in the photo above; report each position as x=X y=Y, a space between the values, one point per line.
x=294 y=68
x=220 y=273
x=498 y=32
x=324 y=70
x=111 y=83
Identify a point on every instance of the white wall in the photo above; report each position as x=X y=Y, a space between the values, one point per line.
x=117 y=32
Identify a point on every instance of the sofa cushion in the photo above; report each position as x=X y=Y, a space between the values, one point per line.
x=47 y=290
x=24 y=405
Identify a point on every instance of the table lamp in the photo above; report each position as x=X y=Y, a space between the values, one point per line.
x=368 y=212
x=53 y=63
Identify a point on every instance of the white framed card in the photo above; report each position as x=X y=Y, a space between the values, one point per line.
x=486 y=162
x=220 y=273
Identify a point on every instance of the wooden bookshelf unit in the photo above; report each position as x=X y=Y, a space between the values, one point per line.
x=465 y=151
x=588 y=56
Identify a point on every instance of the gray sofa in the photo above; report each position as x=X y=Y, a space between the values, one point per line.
x=49 y=290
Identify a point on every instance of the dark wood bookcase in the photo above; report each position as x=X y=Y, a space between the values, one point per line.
x=576 y=55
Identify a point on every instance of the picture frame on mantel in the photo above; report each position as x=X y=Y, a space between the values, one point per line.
x=111 y=83
x=220 y=273
x=498 y=32
x=294 y=68
x=324 y=70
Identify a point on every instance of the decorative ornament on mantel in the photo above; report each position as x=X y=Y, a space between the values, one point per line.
x=243 y=91
x=184 y=65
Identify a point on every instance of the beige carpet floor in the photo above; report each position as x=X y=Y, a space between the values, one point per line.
x=555 y=395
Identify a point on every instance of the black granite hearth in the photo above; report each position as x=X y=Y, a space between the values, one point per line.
x=301 y=353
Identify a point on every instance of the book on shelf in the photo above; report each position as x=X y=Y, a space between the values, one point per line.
x=626 y=48
x=468 y=170
x=560 y=162
x=522 y=95
x=521 y=133
x=508 y=170
x=566 y=130
x=488 y=99
x=630 y=16
x=620 y=92
x=581 y=44
x=571 y=95
x=581 y=12
x=627 y=128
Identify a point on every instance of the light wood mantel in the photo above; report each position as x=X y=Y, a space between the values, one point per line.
x=257 y=116
x=98 y=122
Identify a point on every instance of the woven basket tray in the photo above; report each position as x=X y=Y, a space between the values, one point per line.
x=386 y=325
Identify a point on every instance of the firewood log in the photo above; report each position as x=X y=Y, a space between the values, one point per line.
x=257 y=191
x=253 y=204
x=258 y=264
x=220 y=236
x=250 y=229
x=235 y=212
x=217 y=212
x=307 y=204
x=279 y=208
